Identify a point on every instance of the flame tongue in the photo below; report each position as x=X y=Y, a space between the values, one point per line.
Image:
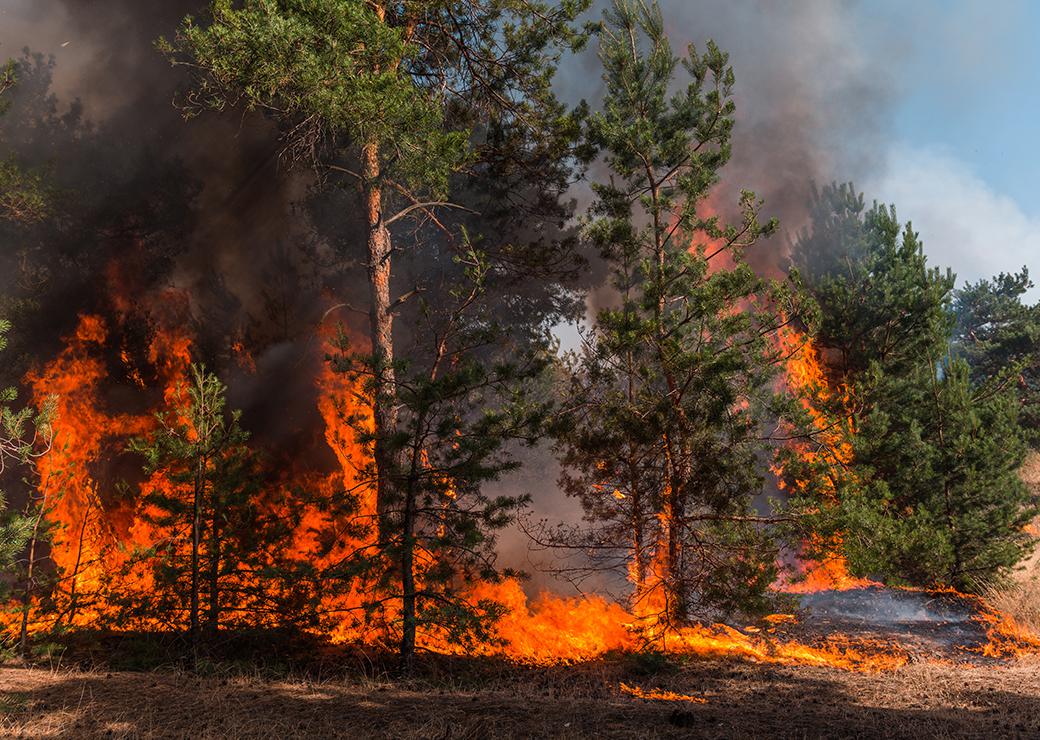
x=85 y=532
x=806 y=378
x=94 y=537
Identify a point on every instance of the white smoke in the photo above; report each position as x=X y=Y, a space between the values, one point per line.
x=965 y=224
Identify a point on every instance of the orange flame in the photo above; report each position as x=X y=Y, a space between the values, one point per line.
x=805 y=377
x=659 y=694
x=94 y=535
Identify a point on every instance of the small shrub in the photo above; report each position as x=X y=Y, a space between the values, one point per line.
x=650 y=663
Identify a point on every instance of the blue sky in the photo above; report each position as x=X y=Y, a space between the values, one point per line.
x=964 y=155
x=971 y=86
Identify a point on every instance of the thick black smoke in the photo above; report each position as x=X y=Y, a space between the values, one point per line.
x=192 y=217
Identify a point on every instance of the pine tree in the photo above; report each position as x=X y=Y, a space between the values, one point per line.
x=466 y=393
x=661 y=438
x=22 y=196
x=15 y=529
x=926 y=491
x=999 y=337
x=937 y=499
x=385 y=96
x=200 y=451
x=879 y=301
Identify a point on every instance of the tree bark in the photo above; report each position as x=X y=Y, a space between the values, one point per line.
x=381 y=325
x=675 y=451
x=196 y=526
x=212 y=621
x=408 y=619
x=676 y=585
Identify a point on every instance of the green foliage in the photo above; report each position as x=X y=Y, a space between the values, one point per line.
x=665 y=398
x=999 y=337
x=943 y=457
x=334 y=65
x=467 y=394
x=400 y=76
x=22 y=433
x=879 y=301
x=199 y=449
x=23 y=198
x=915 y=475
x=197 y=430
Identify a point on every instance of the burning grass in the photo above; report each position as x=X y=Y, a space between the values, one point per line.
x=1019 y=601
x=1019 y=598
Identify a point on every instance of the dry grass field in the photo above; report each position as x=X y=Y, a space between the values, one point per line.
x=739 y=700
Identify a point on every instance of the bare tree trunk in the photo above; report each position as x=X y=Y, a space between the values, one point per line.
x=638 y=572
x=676 y=584
x=27 y=592
x=381 y=326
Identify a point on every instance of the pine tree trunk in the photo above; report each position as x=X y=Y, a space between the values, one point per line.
x=408 y=620
x=212 y=621
x=196 y=527
x=676 y=583
x=674 y=511
x=638 y=572
x=675 y=441
x=381 y=326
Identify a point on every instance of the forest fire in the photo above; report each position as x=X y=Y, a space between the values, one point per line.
x=535 y=365
x=98 y=541
x=87 y=529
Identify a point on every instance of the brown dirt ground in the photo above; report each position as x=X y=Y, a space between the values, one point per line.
x=742 y=700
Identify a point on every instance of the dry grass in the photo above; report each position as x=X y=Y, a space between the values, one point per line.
x=1020 y=599
x=1030 y=471
x=741 y=700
